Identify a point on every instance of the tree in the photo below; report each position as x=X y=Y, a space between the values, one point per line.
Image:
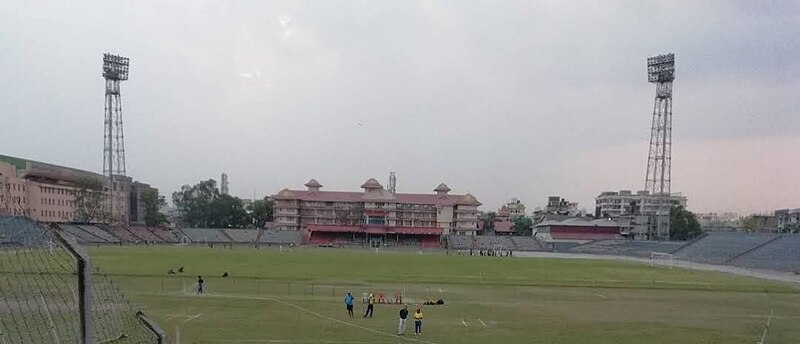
x=523 y=226
x=151 y=203
x=228 y=212
x=488 y=223
x=683 y=224
x=89 y=199
x=194 y=203
x=261 y=211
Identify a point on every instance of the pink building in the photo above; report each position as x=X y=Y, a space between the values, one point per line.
x=45 y=192
x=376 y=211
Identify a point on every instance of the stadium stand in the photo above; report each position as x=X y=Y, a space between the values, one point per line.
x=81 y=235
x=527 y=243
x=94 y=230
x=166 y=235
x=459 y=242
x=242 y=236
x=781 y=254
x=144 y=234
x=272 y=236
x=122 y=233
x=638 y=248
x=720 y=247
x=16 y=231
x=207 y=235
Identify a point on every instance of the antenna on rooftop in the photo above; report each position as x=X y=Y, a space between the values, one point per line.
x=392 y=183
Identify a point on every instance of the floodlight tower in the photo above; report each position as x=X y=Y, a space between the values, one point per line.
x=660 y=71
x=115 y=69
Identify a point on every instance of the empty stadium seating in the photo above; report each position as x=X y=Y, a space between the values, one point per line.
x=634 y=248
x=206 y=235
x=720 y=247
x=122 y=233
x=81 y=235
x=94 y=230
x=271 y=236
x=782 y=254
x=242 y=235
x=145 y=234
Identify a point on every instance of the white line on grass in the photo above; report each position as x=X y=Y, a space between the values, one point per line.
x=482 y=323
x=287 y=341
x=320 y=315
x=190 y=318
x=463 y=322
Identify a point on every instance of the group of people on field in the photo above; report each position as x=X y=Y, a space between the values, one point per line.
x=401 y=328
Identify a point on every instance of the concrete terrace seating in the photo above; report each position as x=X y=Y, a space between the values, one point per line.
x=205 y=235
x=164 y=234
x=81 y=235
x=123 y=234
x=242 y=235
x=634 y=248
x=16 y=231
x=271 y=236
x=94 y=230
x=782 y=254
x=145 y=234
x=459 y=242
x=527 y=243
x=486 y=242
x=720 y=247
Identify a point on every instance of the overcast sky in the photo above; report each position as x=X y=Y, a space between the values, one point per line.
x=497 y=98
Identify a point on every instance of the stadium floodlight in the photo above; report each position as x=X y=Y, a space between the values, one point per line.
x=115 y=67
x=661 y=68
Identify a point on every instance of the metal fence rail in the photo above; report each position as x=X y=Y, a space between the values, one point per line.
x=49 y=293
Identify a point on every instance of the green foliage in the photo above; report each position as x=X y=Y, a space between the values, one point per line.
x=523 y=226
x=683 y=224
x=201 y=205
x=194 y=203
x=89 y=198
x=488 y=223
x=152 y=202
x=261 y=211
x=228 y=212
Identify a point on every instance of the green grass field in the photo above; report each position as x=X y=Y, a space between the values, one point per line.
x=295 y=296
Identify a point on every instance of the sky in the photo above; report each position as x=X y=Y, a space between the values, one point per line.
x=500 y=99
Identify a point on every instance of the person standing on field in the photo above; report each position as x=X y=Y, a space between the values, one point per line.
x=418 y=322
x=348 y=301
x=401 y=329
x=370 y=305
x=200 y=284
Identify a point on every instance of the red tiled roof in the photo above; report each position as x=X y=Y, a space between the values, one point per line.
x=583 y=236
x=313 y=183
x=442 y=187
x=503 y=226
x=371 y=184
x=345 y=196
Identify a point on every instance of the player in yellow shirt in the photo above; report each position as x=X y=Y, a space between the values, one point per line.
x=370 y=305
x=418 y=321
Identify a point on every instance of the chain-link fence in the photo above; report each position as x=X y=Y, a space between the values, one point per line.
x=50 y=294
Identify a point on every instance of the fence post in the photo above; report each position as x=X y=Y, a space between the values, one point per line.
x=84 y=284
x=153 y=327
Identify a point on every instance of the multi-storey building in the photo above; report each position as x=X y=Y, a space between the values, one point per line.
x=46 y=192
x=558 y=205
x=788 y=219
x=614 y=204
x=376 y=211
x=634 y=211
x=511 y=210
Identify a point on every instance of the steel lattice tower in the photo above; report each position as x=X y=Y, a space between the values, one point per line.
x=660 y=71
x=115 y=70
